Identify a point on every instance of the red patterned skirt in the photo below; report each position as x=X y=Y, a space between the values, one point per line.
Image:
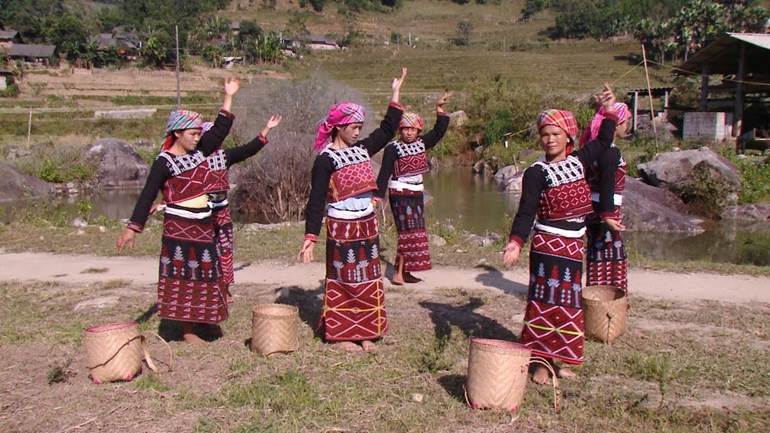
x=408 y=212
x=606 y=259
x=354 y=300
x=190 y=286
x=553 y=321
x=223 y=233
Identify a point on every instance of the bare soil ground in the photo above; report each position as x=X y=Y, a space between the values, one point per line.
x=684 y=365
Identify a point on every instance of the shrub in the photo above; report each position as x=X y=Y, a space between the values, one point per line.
x=275 y=185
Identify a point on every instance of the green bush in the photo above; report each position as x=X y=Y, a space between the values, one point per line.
x=11 y=91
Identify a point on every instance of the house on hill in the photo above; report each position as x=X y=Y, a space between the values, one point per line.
x=311 y=42
x=8 y=38
x=35 y=54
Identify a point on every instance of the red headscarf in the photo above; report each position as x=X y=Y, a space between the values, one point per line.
x=412 y=120
x=592 y=131
x=563 y=119
x=341 y=114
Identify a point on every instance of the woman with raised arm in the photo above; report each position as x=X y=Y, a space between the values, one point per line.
x=556 y=198
x=190 y=285
x=403 y=163
x=353 y=315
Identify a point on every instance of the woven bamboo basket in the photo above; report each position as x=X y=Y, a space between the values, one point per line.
x=497 y=374
x=606 y=311
x=114 y=352
x=274 y=328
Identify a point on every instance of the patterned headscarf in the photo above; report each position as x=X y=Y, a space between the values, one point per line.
x=592 y=131
x=179 y=120
x=563 y=119
x=412 y=120
x=341 y=114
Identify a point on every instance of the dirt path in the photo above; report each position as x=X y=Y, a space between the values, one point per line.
x=143 y=270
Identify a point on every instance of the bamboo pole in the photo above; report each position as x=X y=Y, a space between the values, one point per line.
x=649 y=93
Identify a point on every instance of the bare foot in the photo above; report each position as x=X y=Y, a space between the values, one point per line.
x=409 y=278
x=397 y=280
x=540 y=376
x=368 y=346
x=565 y=373
x=191 y=338
x=347 y=346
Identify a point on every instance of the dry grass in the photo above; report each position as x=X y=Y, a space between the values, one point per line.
x=676 y=376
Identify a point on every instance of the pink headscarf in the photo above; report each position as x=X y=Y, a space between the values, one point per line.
x=563 y=119
x=592 y=131
x=412 y=120
x=341 y=114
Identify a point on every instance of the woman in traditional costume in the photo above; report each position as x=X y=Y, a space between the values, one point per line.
x=606 y=262
x=555 y=190
x=191 y=288
x=403 y=164
x=353 y=315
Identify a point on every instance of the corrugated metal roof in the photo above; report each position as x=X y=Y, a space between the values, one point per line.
x=721 y=56
x=32 y=50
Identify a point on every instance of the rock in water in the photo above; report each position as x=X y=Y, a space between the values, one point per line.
x=118 y=164
x=15 y=185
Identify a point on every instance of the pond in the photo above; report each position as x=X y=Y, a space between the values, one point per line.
x=472 y=203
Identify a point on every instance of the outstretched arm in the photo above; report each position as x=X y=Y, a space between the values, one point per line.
x=212 y=139
x=389 y=125
x=159 y=172
x=594 y=149
x=442 y=123
x=241 y=153
x=532 y=186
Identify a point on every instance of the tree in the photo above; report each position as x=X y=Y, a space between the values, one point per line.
x=70 y=35
x=157 y=49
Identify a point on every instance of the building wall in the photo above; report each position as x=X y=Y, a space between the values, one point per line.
x=712 y=126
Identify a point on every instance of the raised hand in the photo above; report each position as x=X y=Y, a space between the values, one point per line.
x=398 y=82
x=511 y=255
x=607 y=98
x=442 y=100
x=232 y=85
x=272 y=122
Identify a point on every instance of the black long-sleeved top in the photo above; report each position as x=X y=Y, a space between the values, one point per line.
x=210 y=141
x=389 y=157
x=323 y=167
x=534 y=184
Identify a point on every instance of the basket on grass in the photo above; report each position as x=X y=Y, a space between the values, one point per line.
x=497 y=374
x=274 y=328
x=605 y=312
x=114 y=352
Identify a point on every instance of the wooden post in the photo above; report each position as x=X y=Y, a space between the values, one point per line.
x=738 y=112
x=29 y=128
x=636 y=110
x=665 y=104
x=178 y=90
x=704 y=88
x=649 y=93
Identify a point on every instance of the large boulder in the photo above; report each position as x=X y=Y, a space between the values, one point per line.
x=673 y=170
x=15 y=185
x=118 y=164
x=508 y=179
x=647 y=208
x=458 y=119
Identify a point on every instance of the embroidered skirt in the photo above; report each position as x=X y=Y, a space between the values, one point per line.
x=606 y=260
x=354 y=300
x=223 y=233
x=408 y=212
x=553 y=321
x=190 y=286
